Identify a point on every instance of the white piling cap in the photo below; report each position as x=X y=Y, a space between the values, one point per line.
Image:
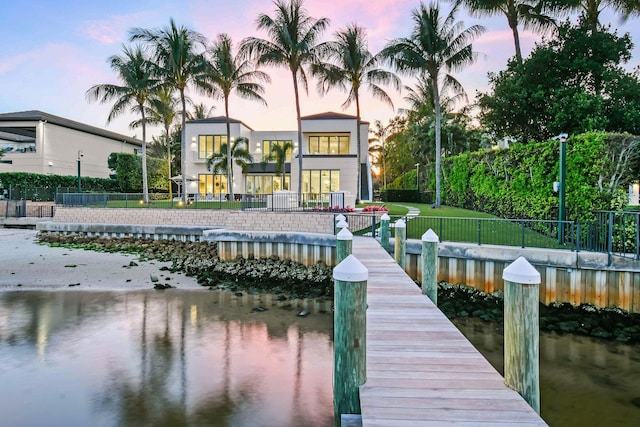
x=520 y=271
x=341 y=217
x=350 y=270
x=344 y=234
x=385 y=217
x=430 y=236
x=400 y=224
x=342 y=224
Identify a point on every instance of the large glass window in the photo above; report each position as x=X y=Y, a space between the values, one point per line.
x=328 y=144
x=267 y=149
x=320 y=181
x=209 y=144
x=266 y=184
x=212 y=184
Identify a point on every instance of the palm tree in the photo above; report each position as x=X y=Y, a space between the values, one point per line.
x=292 y=38
x=180 y=63
x=530 y=14
x=138 y=83
x=228 y=72
x=164 y=110
x=435 y=48
x=278 y=153
x=200 y=111
x=350 y=67
x=221 y=162
x=380 y=132
x=591 y=9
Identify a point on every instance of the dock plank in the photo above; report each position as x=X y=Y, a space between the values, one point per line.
x=421 y=370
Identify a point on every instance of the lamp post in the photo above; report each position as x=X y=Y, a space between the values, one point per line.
x=561 y=187
x=80 y=154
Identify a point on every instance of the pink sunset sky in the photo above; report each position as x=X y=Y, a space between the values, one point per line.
x=53 y=51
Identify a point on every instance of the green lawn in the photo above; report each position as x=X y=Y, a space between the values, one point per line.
x=463 y=225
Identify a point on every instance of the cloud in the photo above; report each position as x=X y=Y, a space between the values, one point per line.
x=13 y=62
x=112 y=29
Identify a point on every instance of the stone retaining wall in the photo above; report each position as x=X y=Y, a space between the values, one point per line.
x=233 y=220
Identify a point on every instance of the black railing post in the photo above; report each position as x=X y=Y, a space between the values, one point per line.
x=479 y=232
x=578 y=237
x=523 y=233
x=610 y=237
x=440 y=231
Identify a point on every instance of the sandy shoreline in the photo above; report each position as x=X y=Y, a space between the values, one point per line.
x=24 y=265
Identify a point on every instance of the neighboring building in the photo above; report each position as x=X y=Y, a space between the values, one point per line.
x=42 y=143
x=329 y=147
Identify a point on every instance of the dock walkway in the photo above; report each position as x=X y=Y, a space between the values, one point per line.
x=421 y=370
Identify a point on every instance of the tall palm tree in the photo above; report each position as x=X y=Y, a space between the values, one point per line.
x=436 y=47
x=531 y=14
x=228 y=72
x=180 y=64
x=278 y=154
x=221 y=161
x=293 y=35
x=350 y=66
x=164 y=110
x=135 y=72
x=591 y=9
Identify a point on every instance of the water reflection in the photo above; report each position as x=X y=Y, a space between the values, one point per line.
x=583 y=381
x=174 y=358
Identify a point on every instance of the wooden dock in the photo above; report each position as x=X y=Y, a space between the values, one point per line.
x=421 y=371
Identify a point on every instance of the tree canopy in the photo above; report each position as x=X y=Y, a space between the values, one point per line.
x=571 y=84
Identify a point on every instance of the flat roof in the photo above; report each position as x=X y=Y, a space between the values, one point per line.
x=35 y=115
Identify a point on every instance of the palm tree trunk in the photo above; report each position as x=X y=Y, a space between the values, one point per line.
x=297 y=95
x=183 y=148
x=359 y=160
x=436 y=101
x=168 y=160
x=145 y=183
x=513 y=24
x=229 y=157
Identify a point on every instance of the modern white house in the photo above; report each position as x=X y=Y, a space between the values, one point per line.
x=42 y=143
x=329 y=154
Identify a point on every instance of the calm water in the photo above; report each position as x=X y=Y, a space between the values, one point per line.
x=583 y=381
x=173 y=358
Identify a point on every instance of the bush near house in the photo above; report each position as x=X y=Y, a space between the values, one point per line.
x=518 y=182
x=24 y=180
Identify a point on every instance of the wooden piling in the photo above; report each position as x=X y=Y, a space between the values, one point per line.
x=384 y=231
x=400 y=243
x=344 y=244
x=521 y=330
x=350 y=330
x=430 y=265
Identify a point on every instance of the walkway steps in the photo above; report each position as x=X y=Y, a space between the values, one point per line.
x=421 y=371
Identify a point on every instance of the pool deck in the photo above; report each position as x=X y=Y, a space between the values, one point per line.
x=421 y=370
